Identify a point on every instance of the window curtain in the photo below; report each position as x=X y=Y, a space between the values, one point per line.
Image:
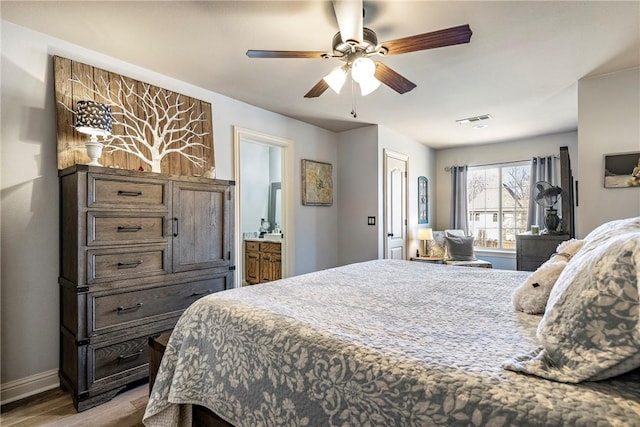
x=542 y=169
x=459 y=215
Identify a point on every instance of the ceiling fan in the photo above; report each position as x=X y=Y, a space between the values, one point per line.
x=355 y=44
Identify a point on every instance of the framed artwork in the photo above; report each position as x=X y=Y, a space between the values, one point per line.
x=317 y=183
x=622 y=170
x=423 y=197
x=154 y=129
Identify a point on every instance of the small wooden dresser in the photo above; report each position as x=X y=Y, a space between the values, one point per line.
x=136 y=249
x=532 y=250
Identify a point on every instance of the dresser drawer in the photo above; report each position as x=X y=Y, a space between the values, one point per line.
x=252 y=246
x=108 y=228
x=270 y=247
x=117 y=358
x=126 y=192
x=113 y=310
x=126 y=263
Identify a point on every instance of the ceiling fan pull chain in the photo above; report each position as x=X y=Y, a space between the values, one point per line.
x=353 y=99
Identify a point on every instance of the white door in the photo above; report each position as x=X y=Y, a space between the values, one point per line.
x=395 y=205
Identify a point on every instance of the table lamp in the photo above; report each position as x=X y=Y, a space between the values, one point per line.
x=93 y=118
x=425 y=234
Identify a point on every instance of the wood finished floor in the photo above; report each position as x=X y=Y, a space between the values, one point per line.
x=55 y=409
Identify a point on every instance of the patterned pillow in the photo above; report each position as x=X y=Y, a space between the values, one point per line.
x=437 y=247
x=591 y=327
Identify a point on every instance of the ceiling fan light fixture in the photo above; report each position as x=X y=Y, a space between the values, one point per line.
x=363 y=69
x=336 y=78
x=369 y=85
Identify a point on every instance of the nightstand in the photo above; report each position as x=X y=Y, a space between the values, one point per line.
x=431 y=259
x=532 y=250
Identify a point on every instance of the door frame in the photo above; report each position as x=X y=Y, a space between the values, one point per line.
x=288 y=228
x=385 y=215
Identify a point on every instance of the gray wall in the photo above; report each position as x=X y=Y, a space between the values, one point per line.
x=358 y=195
x=608 y=123
x=361 y=177
x=29 y=194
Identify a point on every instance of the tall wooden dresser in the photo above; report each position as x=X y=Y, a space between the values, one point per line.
x=136 y=249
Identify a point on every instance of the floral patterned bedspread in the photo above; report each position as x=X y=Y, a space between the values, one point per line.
x=380 y=343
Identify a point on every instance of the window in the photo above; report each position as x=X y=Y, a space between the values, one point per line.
x=498 y=200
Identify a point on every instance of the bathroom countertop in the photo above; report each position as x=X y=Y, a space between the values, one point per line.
x=264 y=239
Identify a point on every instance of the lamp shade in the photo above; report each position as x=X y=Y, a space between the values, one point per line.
x=425 y=234
x=336 y=78
x=363 y=69
x=369 y=85
x=93 y=118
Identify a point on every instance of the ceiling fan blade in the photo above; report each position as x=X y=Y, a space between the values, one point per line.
x=317 y=90
x=441 y=38
x=284 y=54
x=349 y=17
x=392 y=79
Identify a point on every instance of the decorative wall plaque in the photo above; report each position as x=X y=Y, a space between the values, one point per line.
x=153 y=128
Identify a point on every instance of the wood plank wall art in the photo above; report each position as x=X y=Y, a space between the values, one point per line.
x=153 y=128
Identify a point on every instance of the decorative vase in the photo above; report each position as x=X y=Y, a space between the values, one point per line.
x=551 y=220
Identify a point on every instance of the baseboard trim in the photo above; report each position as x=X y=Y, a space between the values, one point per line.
x=28 y=386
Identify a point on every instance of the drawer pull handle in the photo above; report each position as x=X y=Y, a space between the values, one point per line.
x=122 y=309
x=129 y=229
x=132 y=264
x=197 y=294
x=123 y=357
x=129 y=193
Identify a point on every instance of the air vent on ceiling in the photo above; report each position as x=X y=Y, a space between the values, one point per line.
x=474 y=119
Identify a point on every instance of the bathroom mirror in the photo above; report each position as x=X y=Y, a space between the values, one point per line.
x=275 y=205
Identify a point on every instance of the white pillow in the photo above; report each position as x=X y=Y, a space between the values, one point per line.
x=614 y=228
x=591 y=327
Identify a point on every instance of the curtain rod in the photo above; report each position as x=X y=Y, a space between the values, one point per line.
x=448 y=168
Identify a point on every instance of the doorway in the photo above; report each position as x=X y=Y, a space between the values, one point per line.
x=263 y=207
x=395 y=205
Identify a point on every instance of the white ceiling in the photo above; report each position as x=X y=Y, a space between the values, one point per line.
x=521 y=66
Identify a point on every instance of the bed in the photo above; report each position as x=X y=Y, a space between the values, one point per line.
x=380 y=343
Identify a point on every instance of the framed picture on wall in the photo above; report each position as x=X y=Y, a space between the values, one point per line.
x=423 y=196
x=317 y=183
x=622 y=170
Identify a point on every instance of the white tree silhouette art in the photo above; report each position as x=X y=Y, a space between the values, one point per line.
x=155 y=125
